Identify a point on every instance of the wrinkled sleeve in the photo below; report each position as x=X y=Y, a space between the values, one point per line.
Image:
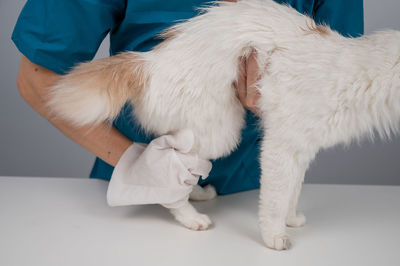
x=344 y=16
x=57 y=34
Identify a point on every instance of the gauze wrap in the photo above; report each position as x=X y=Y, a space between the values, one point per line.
x=163 y=172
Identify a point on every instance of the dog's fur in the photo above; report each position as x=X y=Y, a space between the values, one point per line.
x=317 y=89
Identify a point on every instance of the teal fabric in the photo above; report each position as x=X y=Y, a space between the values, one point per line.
x=57 y=34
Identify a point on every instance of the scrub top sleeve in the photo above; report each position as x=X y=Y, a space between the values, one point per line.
x=344 y=16
x=58 y=34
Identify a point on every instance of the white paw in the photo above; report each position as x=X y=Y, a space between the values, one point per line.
x=296 y=221
x=200 y=193
x=195 y=222
x=278 y=242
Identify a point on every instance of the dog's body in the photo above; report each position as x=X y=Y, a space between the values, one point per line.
x=317 y=89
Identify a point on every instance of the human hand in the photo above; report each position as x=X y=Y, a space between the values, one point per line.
x=162 y=172
x=245 y=85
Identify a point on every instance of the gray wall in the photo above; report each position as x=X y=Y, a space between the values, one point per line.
x=30 y=146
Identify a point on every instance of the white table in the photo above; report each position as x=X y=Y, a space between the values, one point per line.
x=66 y=221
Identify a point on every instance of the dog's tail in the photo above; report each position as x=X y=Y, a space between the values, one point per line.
x=96 y=91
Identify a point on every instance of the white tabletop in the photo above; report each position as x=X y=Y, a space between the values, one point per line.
x=66 y=221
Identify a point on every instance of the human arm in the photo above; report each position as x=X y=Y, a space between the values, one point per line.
x=51 y=49
x=104 y=140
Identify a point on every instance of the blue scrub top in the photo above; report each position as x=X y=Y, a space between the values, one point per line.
x=58 y=34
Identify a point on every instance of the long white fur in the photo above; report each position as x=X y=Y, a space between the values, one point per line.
x=318 y=89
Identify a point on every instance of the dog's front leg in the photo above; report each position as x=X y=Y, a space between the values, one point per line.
x=295 y=218
x=188 y=216
x=280 y=174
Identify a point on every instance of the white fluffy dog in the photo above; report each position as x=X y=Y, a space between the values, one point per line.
x=317 y=89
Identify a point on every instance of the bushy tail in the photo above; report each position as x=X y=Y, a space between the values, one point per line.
x=96 y=91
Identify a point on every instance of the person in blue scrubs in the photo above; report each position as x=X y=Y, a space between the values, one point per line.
x=59 y=34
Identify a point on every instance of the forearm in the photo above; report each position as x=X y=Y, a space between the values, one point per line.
x=104 y=140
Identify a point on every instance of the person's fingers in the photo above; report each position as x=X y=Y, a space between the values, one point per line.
x=182 y=141
x=195 y=165
x=241 y=81
x=252 y=71
x=202 y=168
x=252 y=93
